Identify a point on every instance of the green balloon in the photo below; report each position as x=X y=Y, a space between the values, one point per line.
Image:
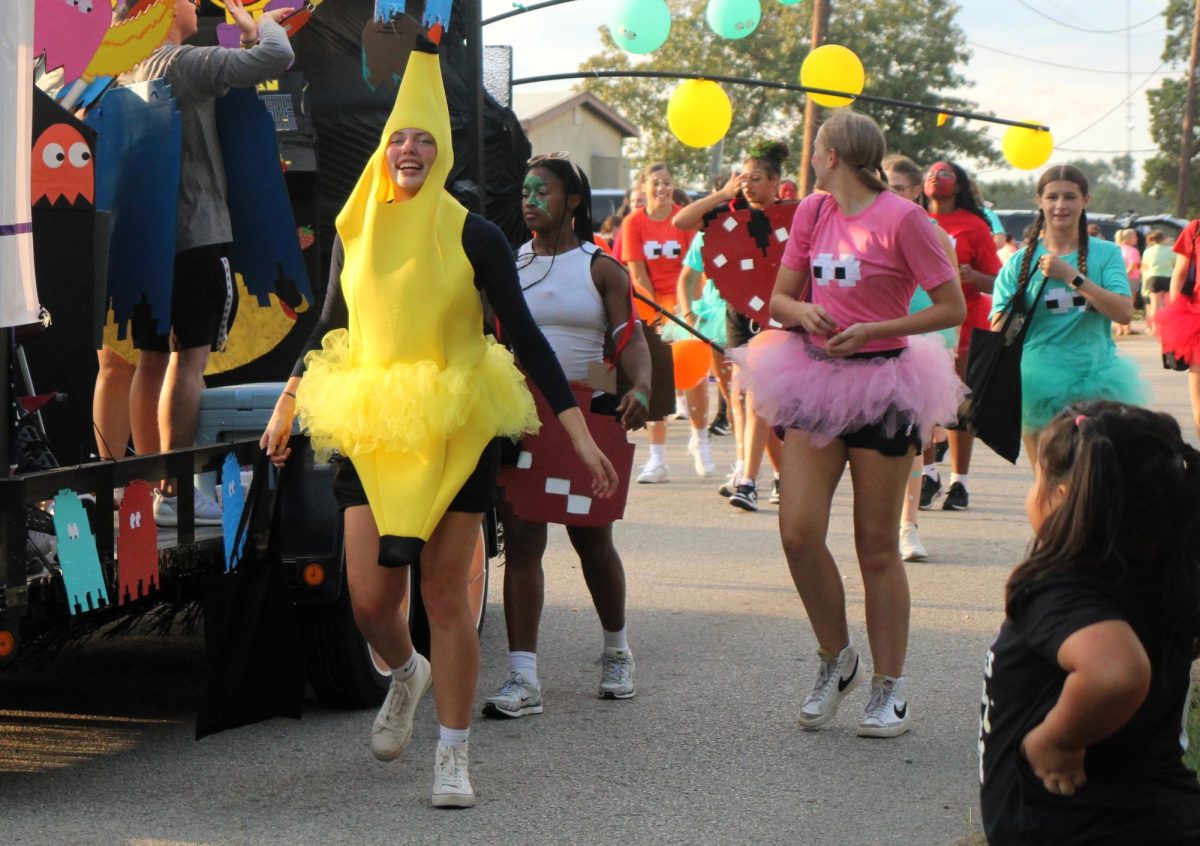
x=640 y=26
x=733 y=18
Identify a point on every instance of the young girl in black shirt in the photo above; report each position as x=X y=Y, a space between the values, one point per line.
x=1085 y=692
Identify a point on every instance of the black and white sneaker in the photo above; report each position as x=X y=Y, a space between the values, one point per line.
x=931 y=489
x=745 y=496
x=839 y=674
x=887 y=712
x=719 y=426
x=774 y=498
x=956 y=498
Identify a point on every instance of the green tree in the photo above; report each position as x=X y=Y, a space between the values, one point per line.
x=911 y=50
x=1161 y=171
x=1105 y=180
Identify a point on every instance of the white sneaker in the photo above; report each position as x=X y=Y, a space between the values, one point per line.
x=206 y=509
x=451 y=778
x=515 y=698
x=654 y=473
x=616 y=673
x=911 y=548
x=702 y=460
x=729 y=485
x=392 y=729
x=839 y=674
x=887 y=712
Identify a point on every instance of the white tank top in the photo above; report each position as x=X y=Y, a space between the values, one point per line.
x=565 y=305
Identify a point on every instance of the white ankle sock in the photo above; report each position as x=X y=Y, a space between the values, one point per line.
x=739 y=467
x=406 y=669
x=931 y=471
x=699 y=436
x=658 y=453
x=615 y=640
x=961 y=478
x=524 y=663
x=453 y=737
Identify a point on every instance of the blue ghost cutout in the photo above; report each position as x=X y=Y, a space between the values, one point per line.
x=233 y=502
x=77 y=556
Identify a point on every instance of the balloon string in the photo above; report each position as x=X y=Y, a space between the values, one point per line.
x=678 y=322
x=783 y=86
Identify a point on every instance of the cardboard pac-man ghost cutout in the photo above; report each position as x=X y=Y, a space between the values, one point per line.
x=63 y=168
x=77 y=556
x=386 y=47
x=233 y=502
x=741 y=254
x=549 y=484
x=67 y=33
x=137 y=545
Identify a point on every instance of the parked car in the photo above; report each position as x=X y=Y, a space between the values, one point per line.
x=605 y=201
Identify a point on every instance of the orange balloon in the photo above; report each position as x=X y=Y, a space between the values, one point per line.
x=692 y=358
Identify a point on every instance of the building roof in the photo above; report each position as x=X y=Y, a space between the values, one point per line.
x=537 y=107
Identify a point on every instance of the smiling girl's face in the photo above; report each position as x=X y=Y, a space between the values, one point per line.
x=1062 y=202
x=410 y=156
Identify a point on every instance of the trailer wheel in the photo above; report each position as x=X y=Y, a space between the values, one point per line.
x=343 y=670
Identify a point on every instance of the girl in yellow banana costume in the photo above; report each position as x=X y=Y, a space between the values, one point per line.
x=400 y=379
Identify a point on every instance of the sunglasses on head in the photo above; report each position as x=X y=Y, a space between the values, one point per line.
x=541 y=157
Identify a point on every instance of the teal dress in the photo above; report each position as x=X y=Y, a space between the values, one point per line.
x=1069 y=355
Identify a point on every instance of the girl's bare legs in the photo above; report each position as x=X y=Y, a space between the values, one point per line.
x=453 y=639
x=110 y=404
x=1194 y=388
x=376 y=593
x=812 y=477
x=878 y=497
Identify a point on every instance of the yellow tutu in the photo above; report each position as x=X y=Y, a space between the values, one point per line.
x=359 y=408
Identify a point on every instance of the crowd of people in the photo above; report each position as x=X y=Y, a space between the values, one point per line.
x=889 y=269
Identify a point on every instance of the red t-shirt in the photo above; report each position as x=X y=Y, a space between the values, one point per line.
x=973 y=244
x=1185 y=244
x=660 y=245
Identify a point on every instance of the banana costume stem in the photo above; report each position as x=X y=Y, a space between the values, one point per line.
x=412 y=392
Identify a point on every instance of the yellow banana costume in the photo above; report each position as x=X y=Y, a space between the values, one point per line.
x=413 y=391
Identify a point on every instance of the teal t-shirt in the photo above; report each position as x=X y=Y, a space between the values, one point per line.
x=993 y=220
x=692 y=258
x=1063 y=323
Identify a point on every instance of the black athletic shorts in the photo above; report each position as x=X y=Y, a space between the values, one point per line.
x=477 y=494
x=203 y=303
x=1159 y=284
x=739 y=328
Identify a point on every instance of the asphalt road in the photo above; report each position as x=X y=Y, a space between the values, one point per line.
x=96 y=746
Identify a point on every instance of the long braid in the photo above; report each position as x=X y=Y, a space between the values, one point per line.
x=1030 y=245
x=1083 y=242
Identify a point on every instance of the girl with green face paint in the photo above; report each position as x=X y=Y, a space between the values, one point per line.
x=578 y=297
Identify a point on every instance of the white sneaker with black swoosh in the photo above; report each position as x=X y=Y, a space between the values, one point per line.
x=887 y=712
x=515 y=698
x=839 y=674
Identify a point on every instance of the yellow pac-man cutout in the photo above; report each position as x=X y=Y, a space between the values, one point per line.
x=256 y=330
x=133 y=39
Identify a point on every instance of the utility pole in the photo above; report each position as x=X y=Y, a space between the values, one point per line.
x=820 y=28
x=1189 y=120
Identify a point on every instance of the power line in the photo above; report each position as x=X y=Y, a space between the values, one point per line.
x=1078 y=28
x=1109 y=152
x=1120 y=103
x=1054 y=64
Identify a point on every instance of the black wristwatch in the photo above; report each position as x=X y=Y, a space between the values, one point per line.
x=1077 y=281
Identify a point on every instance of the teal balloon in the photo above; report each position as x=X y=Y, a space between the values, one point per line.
x=733 y=18
x=640 y=26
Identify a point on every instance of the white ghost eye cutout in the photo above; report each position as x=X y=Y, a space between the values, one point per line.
x=53 y=155
x=79 y=154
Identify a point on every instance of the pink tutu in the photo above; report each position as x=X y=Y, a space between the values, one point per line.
x=1179 y=328
x=797 y=386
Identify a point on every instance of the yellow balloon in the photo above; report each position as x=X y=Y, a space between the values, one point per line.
x=1026 y=149
x=836 y=68
x=699 y=112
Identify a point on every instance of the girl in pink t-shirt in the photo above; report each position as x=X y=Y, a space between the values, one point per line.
x=853 y=384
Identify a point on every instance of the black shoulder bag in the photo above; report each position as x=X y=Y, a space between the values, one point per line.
x=992 y=411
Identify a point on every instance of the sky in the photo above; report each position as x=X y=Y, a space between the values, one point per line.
x=1018 y=47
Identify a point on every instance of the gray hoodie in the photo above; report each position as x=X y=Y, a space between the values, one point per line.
x=198 y=75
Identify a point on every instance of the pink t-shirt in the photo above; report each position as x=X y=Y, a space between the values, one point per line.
x=865 y=268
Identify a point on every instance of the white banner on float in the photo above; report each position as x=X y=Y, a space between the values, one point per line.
x=18 y=289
